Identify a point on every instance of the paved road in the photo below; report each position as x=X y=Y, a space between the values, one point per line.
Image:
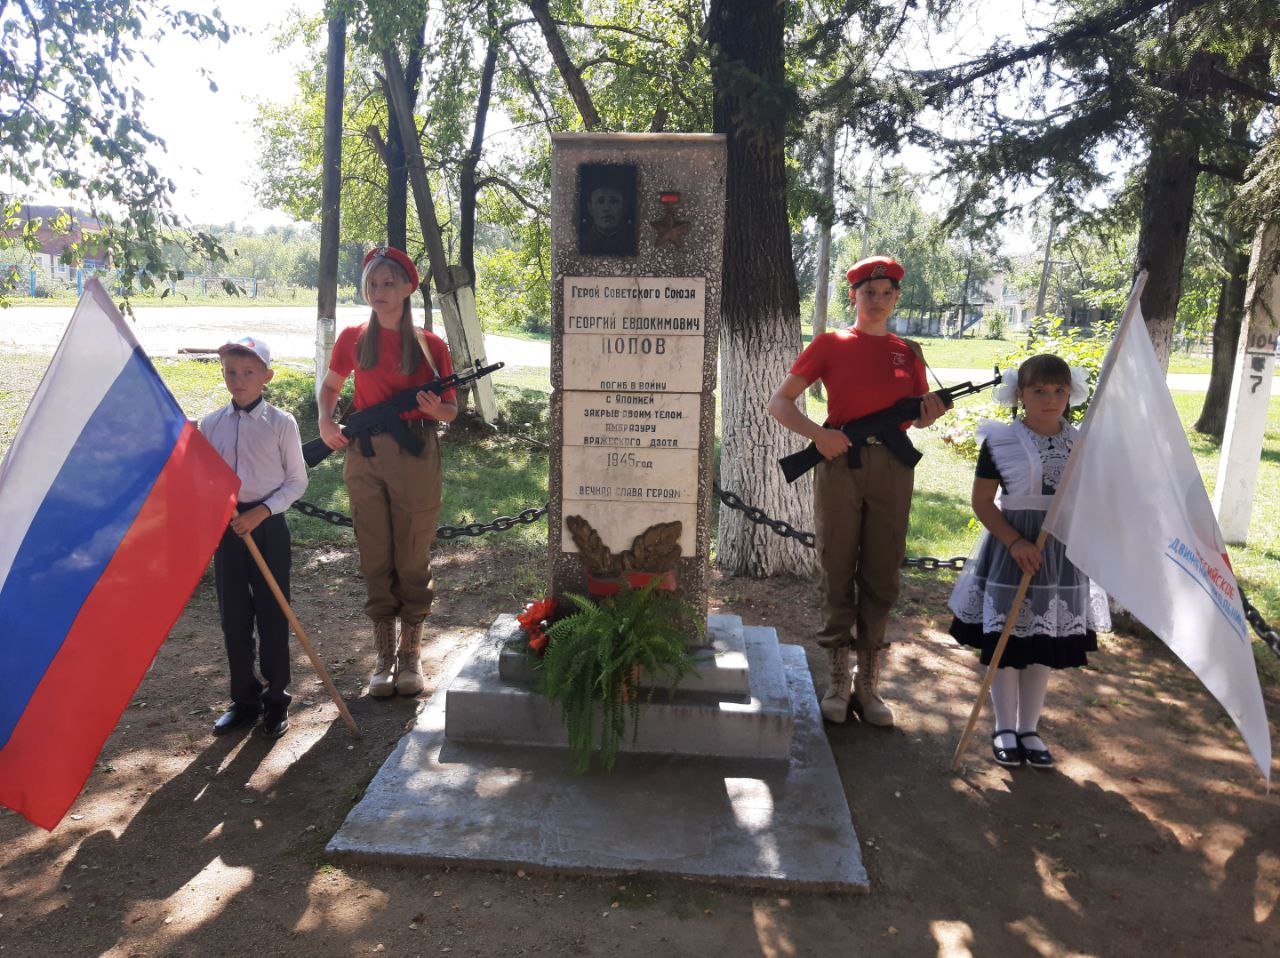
x=290 y=330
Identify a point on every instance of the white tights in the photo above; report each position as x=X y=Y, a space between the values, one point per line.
x=1017 y=697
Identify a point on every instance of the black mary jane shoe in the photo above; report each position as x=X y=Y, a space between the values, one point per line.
x=234 y=718
x=1036 y=757
x=1008 y=757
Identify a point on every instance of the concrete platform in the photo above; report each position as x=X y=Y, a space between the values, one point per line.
x=782 y=825
x=483 y=708
x=722 y=661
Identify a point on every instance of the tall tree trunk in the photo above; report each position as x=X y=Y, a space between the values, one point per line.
x=568 y=70
x=1043 y=292
x=394 y=154
x=402 y=113
x=1168 y=195
x=826 y=217
x=397 y=182
x=467 y=173
x=760 y=330
x=330 y=194
x=1226 y=335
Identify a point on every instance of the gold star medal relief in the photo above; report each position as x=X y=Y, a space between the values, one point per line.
x=669 y=231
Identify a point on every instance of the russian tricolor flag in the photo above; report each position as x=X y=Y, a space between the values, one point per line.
x=111 y=504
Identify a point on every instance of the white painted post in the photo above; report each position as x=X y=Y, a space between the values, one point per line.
x=466 y=339
x=1251 y=392
x=326 y=327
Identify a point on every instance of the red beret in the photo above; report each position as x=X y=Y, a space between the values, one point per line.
x=875 y=267
x=400 y=256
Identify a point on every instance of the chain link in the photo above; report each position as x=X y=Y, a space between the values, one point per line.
x=807 y=539
x=1265 y=632
x=500 y=524
x=325 y=515
x=782 y=528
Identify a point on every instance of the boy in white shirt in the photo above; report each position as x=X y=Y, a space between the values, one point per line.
x=262 y=444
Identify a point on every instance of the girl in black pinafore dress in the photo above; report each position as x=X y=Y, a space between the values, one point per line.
x=1019 y=466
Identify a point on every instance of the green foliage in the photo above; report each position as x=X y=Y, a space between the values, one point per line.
x=594 y=658
x=69 y=123
x=1085 y=349
x=940 y=261
x=512 y=290
x=1100 y=78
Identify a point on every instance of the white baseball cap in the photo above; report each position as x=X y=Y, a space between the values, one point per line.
x=248 y=344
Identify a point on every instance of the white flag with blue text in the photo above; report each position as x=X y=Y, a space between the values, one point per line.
x=1134 y=516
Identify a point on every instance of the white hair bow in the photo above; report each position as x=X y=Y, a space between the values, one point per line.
x=1006 y=394
x=1079 y=386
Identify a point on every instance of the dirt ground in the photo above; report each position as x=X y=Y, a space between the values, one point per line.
x=1153 y=836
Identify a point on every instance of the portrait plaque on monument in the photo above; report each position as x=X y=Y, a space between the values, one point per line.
x=607 y=209
x=634 y=349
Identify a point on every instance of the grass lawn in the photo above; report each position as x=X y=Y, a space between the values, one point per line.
x=974 y=353
x=506 y=473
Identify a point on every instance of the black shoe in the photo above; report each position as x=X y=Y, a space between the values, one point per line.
x=234 y=717
x=1008 y=757
x=1036 y=757
x=275 y=723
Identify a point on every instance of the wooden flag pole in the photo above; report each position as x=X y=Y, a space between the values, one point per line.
x=301 y=634
x=995 y=655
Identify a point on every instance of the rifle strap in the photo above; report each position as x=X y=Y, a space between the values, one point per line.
x=915 y=348
x=426 y=352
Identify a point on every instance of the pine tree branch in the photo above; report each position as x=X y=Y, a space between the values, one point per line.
x=1235 y=85
x=948 y=80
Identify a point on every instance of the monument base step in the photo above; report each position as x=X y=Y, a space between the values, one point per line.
x=483 y=708
x=721 y=661
x=779 y=825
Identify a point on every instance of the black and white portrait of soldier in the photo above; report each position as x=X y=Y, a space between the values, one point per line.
x=606 y=209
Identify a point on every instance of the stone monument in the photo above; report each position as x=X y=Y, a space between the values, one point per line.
x=633 y=361
x=731 y=777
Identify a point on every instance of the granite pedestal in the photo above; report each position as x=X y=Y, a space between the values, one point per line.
x=772 y=816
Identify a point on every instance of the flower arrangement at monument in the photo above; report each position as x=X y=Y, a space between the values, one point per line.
x=591 y=652
x=594 y=658
x=534 y=620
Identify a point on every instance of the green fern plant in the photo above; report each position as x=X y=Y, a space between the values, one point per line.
x=594 y=656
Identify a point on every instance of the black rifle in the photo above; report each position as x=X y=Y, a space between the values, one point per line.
x=385 y=416
x=885 y=425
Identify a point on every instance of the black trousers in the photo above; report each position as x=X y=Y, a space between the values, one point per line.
x=245 y=599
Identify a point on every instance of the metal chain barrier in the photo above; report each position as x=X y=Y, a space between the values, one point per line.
x=1265 y=632
x=531 y=515
x=500 y=524
x=784 y=529
x=807 y=539
x=325 y=515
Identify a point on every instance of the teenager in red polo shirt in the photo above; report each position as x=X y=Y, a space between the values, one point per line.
x=861 y=513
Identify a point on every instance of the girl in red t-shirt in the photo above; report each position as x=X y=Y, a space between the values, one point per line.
x=395 y=495
x=860 y=513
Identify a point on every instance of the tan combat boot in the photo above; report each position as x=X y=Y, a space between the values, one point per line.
x=835 y=703
x=382 y=684
x=866 y=701
x=409 y=659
